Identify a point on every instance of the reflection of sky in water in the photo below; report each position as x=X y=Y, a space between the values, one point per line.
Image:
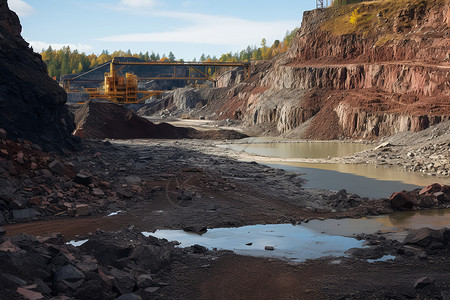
x=296 y=243
x=310 y=240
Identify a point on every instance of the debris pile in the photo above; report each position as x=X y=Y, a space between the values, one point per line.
x=432 y=196
x=108 y=120
x=110 y=265
x=36 y=184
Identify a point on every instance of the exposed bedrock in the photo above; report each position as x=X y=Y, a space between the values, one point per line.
x=32 y=105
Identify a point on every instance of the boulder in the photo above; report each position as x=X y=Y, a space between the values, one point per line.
x=401 y=201
x=427 y=237
x=151 y=257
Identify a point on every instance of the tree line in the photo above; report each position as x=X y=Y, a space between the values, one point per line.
x=65 y=61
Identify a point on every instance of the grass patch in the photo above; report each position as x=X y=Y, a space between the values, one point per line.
x=371 y=17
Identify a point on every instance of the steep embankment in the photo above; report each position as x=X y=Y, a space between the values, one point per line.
x=359 y=71
x=32 y=105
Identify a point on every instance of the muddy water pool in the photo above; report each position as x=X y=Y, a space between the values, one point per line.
x=286 y=149
x=365 y=180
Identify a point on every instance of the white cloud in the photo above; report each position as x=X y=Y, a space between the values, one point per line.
x=38 y=46
x=208 y=29
x=21 y=8
x=138 y=3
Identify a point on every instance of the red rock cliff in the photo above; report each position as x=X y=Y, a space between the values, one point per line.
x=384 y=72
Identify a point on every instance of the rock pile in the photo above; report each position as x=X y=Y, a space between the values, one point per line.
x=112 y=265
x=108 y=120
x=35 y=184
x=32 y=105
x=432 y=196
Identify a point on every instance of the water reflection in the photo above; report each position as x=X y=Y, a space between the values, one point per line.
x=353 y=183
x=397 y=222
x=296 y=243
x=300 y=149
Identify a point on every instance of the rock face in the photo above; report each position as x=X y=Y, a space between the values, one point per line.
x=32 y=105
x=387 y=73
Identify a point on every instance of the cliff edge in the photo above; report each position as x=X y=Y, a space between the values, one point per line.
x=362 y=70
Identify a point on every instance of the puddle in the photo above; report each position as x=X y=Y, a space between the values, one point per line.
x=114 y=213
x=310 y=240
x=76 y=243
x=295 y=243
x=384 y=258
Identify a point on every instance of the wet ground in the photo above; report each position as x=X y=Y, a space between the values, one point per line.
x=185 y=183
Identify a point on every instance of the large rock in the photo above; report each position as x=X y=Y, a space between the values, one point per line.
x=401 y=201
x=32 y=105
x=428 y=238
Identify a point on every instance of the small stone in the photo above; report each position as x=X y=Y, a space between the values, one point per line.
x=83 y=178
x=3 y=134
x=133 y=179
x=57 y=167
x=422 y=282
x=124 y=194
x=69 y=273
x=269 y=248
x=440 y=196
x=97 y=192
x=83 y=209
x=151 y=289
x=145 y=280
x=35 y=201
x=29 y=295
x=20 y=158
x=196 y=229
x=20 y=214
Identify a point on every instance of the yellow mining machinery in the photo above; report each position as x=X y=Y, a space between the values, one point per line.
x=121 y=89
x=124 y=89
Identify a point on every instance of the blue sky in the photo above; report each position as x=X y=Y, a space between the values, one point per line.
x=188 y=28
